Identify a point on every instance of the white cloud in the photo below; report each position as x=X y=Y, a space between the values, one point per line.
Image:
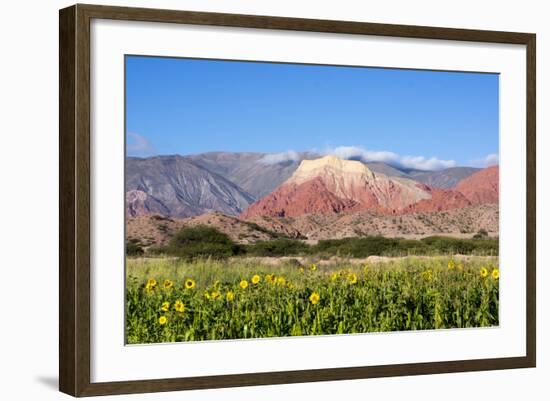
x=282 y=157
x=138 y=145
x=410 y=162
x=487 y=161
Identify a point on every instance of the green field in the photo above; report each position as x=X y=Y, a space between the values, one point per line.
x=170 y=299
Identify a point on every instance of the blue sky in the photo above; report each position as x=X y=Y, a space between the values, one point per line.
x=416 y=119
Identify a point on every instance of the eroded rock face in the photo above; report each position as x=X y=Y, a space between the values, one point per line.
x=138 y=203
x=332 y=185
x=176 y=187
x=481 y=187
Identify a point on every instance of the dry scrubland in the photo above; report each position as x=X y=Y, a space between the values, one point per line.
x=170 y=299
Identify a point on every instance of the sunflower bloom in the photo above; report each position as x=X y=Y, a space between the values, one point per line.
x=243 y=284
x=179 y=306
x=334 y=276
x=302 y=270
x=190 y=283
x=483 y=272
x=495 y=274
x=314 y=298
x=163 y=320
x=229 y=296
x=215 y=294
x=255 y=279
x=281 y=281
x=451 y=264
x=352 y=277
x=165 y=306
x=151 y=284
x=313 y=267
x=168 y=284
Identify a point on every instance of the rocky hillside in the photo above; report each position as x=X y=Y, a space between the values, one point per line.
x=481 y=187
x=176 y=187
x=184 y=186
x=455 y=222
x=157 y=230
x=154 y=230
x=332 y=185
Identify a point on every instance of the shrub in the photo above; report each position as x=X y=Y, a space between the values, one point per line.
x=201 y=242
x=279 y=247
x=134 y=248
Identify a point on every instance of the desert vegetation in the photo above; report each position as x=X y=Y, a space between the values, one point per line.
x=203 y=241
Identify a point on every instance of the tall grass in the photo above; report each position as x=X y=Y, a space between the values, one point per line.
x=291 y=300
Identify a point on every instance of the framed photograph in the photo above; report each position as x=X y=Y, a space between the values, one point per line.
x=249 y=200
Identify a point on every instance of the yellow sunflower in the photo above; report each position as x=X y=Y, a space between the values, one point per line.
x=483 y=272
x=229 y=296
x=314 y=298
x=281 y=281
x=334 y=276
x=243 y=284
x=495 y=274
x=179 y=306
x=151 y=283
x=165 y=306
x=255 y=279
x=168 y=284
x=352 y=277
x=190 y=283
x=313 y=267
x=451 y=264
x=163 y=320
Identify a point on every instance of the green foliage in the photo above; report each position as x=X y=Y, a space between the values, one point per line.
x=362 y=247
x=204 y=242
x=279 y=247
x=410 y=294
x=200 y=242
x=134 y=248
x=481 y=234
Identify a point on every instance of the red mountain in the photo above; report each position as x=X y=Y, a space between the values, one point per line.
x=331 y=185
x=480 y=187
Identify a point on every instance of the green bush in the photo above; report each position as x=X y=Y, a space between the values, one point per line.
x=207 y=242
x=279 y=247
x=201 y=242
x=134 y=248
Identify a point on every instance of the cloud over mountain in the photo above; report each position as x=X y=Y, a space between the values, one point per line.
x=138 y=145
x=487 y=161
x=281 y=157
x=409 y=162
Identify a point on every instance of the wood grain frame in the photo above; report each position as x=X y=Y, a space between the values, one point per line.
x=74 y=199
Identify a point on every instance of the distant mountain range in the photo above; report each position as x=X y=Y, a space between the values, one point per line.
x=252 y=197
x=178 y=187
x=333 y=185
x=185 y=186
